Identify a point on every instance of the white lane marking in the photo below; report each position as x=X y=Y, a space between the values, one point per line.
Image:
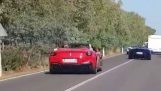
x=22 y=76
x=41 y=72
x=99 y=75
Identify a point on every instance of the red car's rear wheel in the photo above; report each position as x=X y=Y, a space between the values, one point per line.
x=54 y=70
x=94 y=70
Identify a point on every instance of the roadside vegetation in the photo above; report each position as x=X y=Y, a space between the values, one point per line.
x=37 y=26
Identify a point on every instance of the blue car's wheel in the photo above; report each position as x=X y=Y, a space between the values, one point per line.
x=130 y=56
x=149 y=58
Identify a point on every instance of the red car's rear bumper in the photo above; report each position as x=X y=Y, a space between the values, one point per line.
x=71 y=67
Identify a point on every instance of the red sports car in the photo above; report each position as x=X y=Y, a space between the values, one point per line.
x=76 y=57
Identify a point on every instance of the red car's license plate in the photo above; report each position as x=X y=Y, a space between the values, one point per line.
x=70 y=60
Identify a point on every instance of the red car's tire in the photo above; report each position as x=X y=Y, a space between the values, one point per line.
x=100 y=66
x=94 y=70
x=100 y=69
x=53 y=70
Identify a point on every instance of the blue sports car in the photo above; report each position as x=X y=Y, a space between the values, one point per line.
x=139 y=53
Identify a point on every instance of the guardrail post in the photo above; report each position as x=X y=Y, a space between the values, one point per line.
x=103 y=52
x=122 y=50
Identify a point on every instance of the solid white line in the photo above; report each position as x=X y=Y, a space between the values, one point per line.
x=22 y=76
x=99 y=75
x=40 y=72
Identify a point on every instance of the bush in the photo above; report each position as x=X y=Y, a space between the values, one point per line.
x=12 y=59
x=31 y=57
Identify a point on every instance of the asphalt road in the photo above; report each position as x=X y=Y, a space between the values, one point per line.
x=119 y=74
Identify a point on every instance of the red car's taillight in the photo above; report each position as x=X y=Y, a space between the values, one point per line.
x=89 y=53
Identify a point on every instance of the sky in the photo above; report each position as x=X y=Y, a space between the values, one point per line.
x=149 y=9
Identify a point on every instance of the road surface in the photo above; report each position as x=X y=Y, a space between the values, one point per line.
x=119 y=74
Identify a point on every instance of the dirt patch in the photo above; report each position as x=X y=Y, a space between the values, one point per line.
x=10 y=74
